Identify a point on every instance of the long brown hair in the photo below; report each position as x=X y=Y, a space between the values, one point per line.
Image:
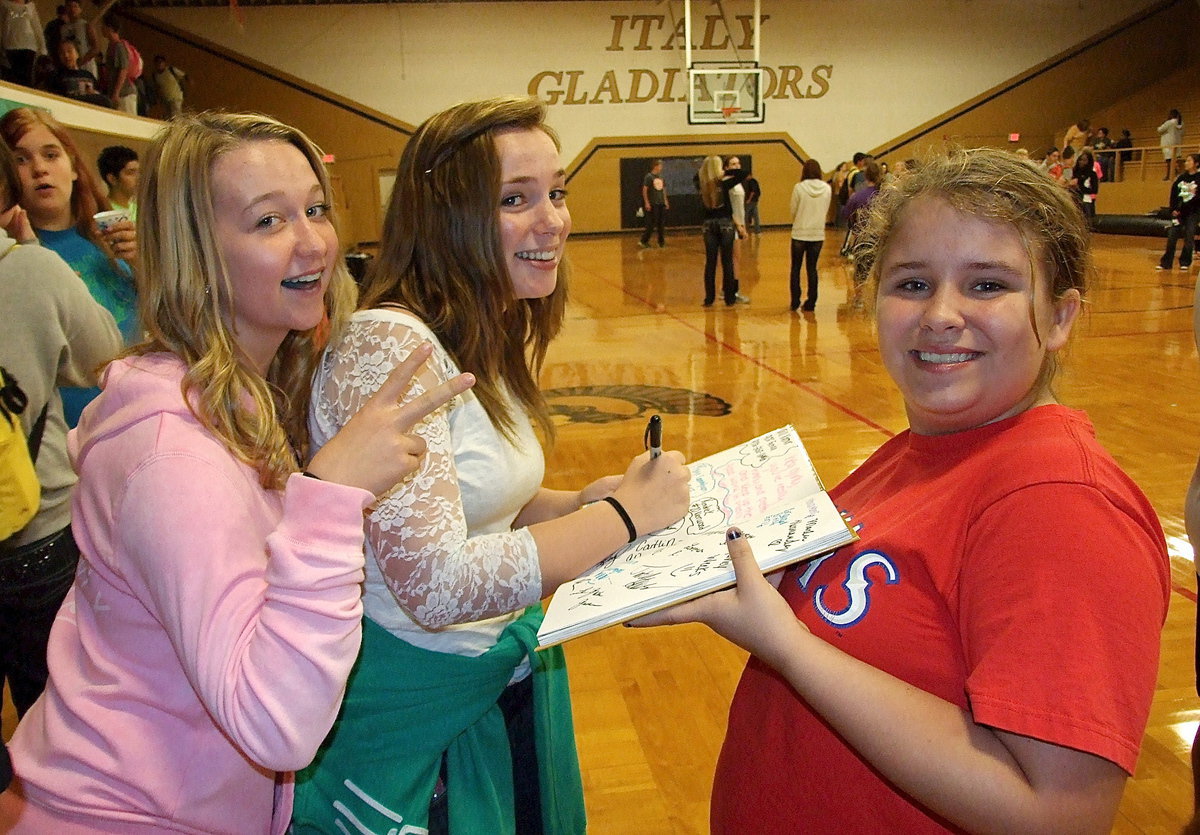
x=186 y=301
x=87 y=197
x=441 y=256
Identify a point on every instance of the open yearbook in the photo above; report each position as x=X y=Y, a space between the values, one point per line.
x=766 y=486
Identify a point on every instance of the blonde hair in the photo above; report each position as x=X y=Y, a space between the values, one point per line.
x=997 y=186
x=712 y=170
x=441 y=256
x=186 y=300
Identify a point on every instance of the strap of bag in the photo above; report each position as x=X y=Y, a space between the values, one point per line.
x=13 y=401
x=35 y=433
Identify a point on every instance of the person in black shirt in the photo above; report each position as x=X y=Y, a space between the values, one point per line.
x=714 y=181
x=753 y=193
x=74 y=82
x=1185 y=212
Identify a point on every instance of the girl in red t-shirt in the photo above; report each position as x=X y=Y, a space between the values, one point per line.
x=984 y=657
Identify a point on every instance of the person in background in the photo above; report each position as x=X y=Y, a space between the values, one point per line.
x=1051 y=164
x=810 y=206
x=715 y=182
x=60 y=195
x=1184 y=203
x=1067 y=170
x=753 y=195
x=1085 y=183
x=120 y=87
x=54 y=334
x=1124 y=143
x=934 y=676
x=857 y=182
x=655 y=204
x=1077 y=135
x=839 y=183
x=216 y=612
x=83 y=32
x=1102 y=145
x=169 y=82
x=72 y=81
x=119 y=168
x=1170 y=136
x=52 y=35
x=44 y=70
x=459 y=558
x=855 y=209
x=857 y=178
x=737 y=198
x=21 y=38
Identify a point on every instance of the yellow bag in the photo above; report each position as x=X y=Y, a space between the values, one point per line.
x=20 y=493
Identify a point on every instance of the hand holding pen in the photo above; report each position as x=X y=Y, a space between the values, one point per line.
x=654 y=492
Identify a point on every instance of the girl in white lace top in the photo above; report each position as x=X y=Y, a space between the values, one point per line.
x=472 y=260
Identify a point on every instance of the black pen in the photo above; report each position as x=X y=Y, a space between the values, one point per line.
x=653 y=439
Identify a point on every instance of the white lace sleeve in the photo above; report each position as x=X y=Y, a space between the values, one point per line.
x=437 y=572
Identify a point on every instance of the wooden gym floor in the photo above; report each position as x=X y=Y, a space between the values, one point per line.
x=650 y=705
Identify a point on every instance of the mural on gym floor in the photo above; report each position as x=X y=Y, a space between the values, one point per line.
x=609 y=404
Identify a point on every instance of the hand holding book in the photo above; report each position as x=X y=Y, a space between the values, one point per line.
x=752 y=615
x=767 y=486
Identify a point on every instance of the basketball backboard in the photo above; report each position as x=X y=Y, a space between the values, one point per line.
x=725 y=93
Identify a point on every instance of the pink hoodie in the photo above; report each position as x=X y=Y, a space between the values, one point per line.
x=206 y=642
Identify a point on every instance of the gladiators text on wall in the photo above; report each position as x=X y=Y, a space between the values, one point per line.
x=638 y=85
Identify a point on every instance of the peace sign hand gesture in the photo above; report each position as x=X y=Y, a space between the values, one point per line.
x=377 y=449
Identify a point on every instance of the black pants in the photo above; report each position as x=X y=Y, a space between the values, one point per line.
x=516 y=703
x=1186 y=229
x=33 y=582
x=801 y=250
x=656 y=218
x=718 y=240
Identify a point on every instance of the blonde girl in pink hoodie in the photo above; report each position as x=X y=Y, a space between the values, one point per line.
x=202 y=653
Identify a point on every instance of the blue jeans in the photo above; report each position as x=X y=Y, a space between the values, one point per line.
x=1187 y=228
x=718 y=239
x=801 y=250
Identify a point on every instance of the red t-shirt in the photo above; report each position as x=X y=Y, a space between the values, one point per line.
x=1013 y=570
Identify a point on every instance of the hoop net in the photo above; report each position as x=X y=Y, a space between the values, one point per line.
x=730 y=114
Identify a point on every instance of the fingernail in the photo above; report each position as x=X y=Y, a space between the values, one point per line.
x=732 y=534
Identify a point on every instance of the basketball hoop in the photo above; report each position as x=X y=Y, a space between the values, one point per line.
x=730 y=114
